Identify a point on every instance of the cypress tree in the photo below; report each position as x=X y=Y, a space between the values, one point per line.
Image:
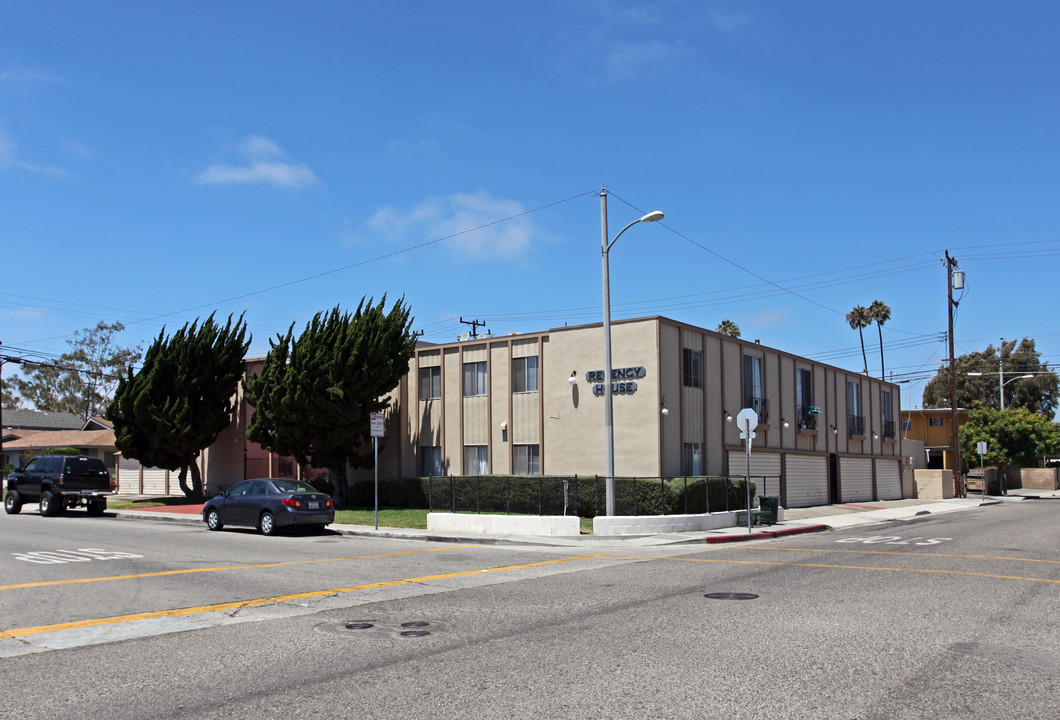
x=314 y=395
x=182 y=397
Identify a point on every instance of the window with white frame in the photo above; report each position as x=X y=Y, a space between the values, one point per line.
x=692 y=461
x=754 y=387
x=526 y=459
x=855 y=420
x=430 y=460
x=692 y=367
x=430 y=383
x=805 y=411
x=476 y=460
x=524 y=374
x=474 y=378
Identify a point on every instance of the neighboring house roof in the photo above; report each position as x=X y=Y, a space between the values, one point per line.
x=97 y=423
x=36 y=420
x=44 y=439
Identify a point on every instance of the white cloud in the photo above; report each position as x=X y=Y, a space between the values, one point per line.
x=263 y=163
x=630 y=60
x=8 y=159
x=19 y=76
x=728 y=20
x=468 y=223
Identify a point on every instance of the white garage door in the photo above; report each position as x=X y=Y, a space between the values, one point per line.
x=855 y=479
x=889 y=479
x=765 y=470
x=155 y=481
x=128 y=476
x=807 y=477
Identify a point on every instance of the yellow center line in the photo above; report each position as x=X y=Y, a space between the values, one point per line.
x=162 y=573
x=175 y=612
x=858 y=567
x=900 y=552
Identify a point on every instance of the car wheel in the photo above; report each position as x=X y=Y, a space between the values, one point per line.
x=49 y=504
x=96 y=507
x=12 y=503
x=267 y=524
x=213 y=519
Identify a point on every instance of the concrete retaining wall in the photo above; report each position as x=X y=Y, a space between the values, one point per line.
x=934 y=484
x=654 y=524
x=505 y=524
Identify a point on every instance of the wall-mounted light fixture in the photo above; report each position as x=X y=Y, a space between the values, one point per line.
x=728 y=417
x=784 y=423
x=835 y=430
x=504 y=426
x=665 y=410
x=875 y=436
x=573 y=379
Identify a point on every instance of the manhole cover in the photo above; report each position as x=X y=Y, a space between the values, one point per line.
x=359 y=626
x=730 y=596
x=415 y=624
x=415 y=633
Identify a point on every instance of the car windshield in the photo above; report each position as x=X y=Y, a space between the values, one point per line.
x=292 y=486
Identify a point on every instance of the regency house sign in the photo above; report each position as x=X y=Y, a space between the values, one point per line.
x=623 y=380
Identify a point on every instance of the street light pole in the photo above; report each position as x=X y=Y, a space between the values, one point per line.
x=609 y=422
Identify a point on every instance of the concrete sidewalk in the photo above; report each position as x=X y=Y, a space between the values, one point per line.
x=796 y=521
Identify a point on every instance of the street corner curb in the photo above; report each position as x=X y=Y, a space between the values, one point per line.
x=157 y=517
x=769 y=534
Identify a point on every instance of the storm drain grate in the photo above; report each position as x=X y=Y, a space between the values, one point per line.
x=730 y=596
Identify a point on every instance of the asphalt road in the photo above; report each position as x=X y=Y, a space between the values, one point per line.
x=947 y=617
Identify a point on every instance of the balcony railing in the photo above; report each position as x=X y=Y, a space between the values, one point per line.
x=807 y=420
x=759 y=405
x=888 y=429
x=856 y=424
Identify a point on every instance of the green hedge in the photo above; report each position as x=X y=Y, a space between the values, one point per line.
x=537 y=494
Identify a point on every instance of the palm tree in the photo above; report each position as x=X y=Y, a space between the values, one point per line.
x=728 y=327
x=881 y=313
x=859 y=318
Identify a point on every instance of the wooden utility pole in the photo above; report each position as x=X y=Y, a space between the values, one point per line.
x=955 y=447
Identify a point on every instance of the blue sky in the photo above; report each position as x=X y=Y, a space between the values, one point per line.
x=159 y=162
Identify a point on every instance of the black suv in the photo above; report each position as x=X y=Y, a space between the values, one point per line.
x=58 y=482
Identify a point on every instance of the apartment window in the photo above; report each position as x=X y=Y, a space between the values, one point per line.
x=474 y=378
x=886 y=414
x=526 y=459
x=692 y=462
x=907 y=424
x=692 y=367
x=524 y=374
x=430 y=460
x=856 y=421
x=807 y=418
x=430 y=383
x=476 y=460
x=754 y=388
x=935 y=422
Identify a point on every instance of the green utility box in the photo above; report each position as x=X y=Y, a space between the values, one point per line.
x=769 y=504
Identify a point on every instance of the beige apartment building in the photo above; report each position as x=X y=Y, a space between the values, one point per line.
x=533 y=404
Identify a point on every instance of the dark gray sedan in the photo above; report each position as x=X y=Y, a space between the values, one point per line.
x=269 y=504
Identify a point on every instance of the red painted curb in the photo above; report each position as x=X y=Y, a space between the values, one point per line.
x=715 y=539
